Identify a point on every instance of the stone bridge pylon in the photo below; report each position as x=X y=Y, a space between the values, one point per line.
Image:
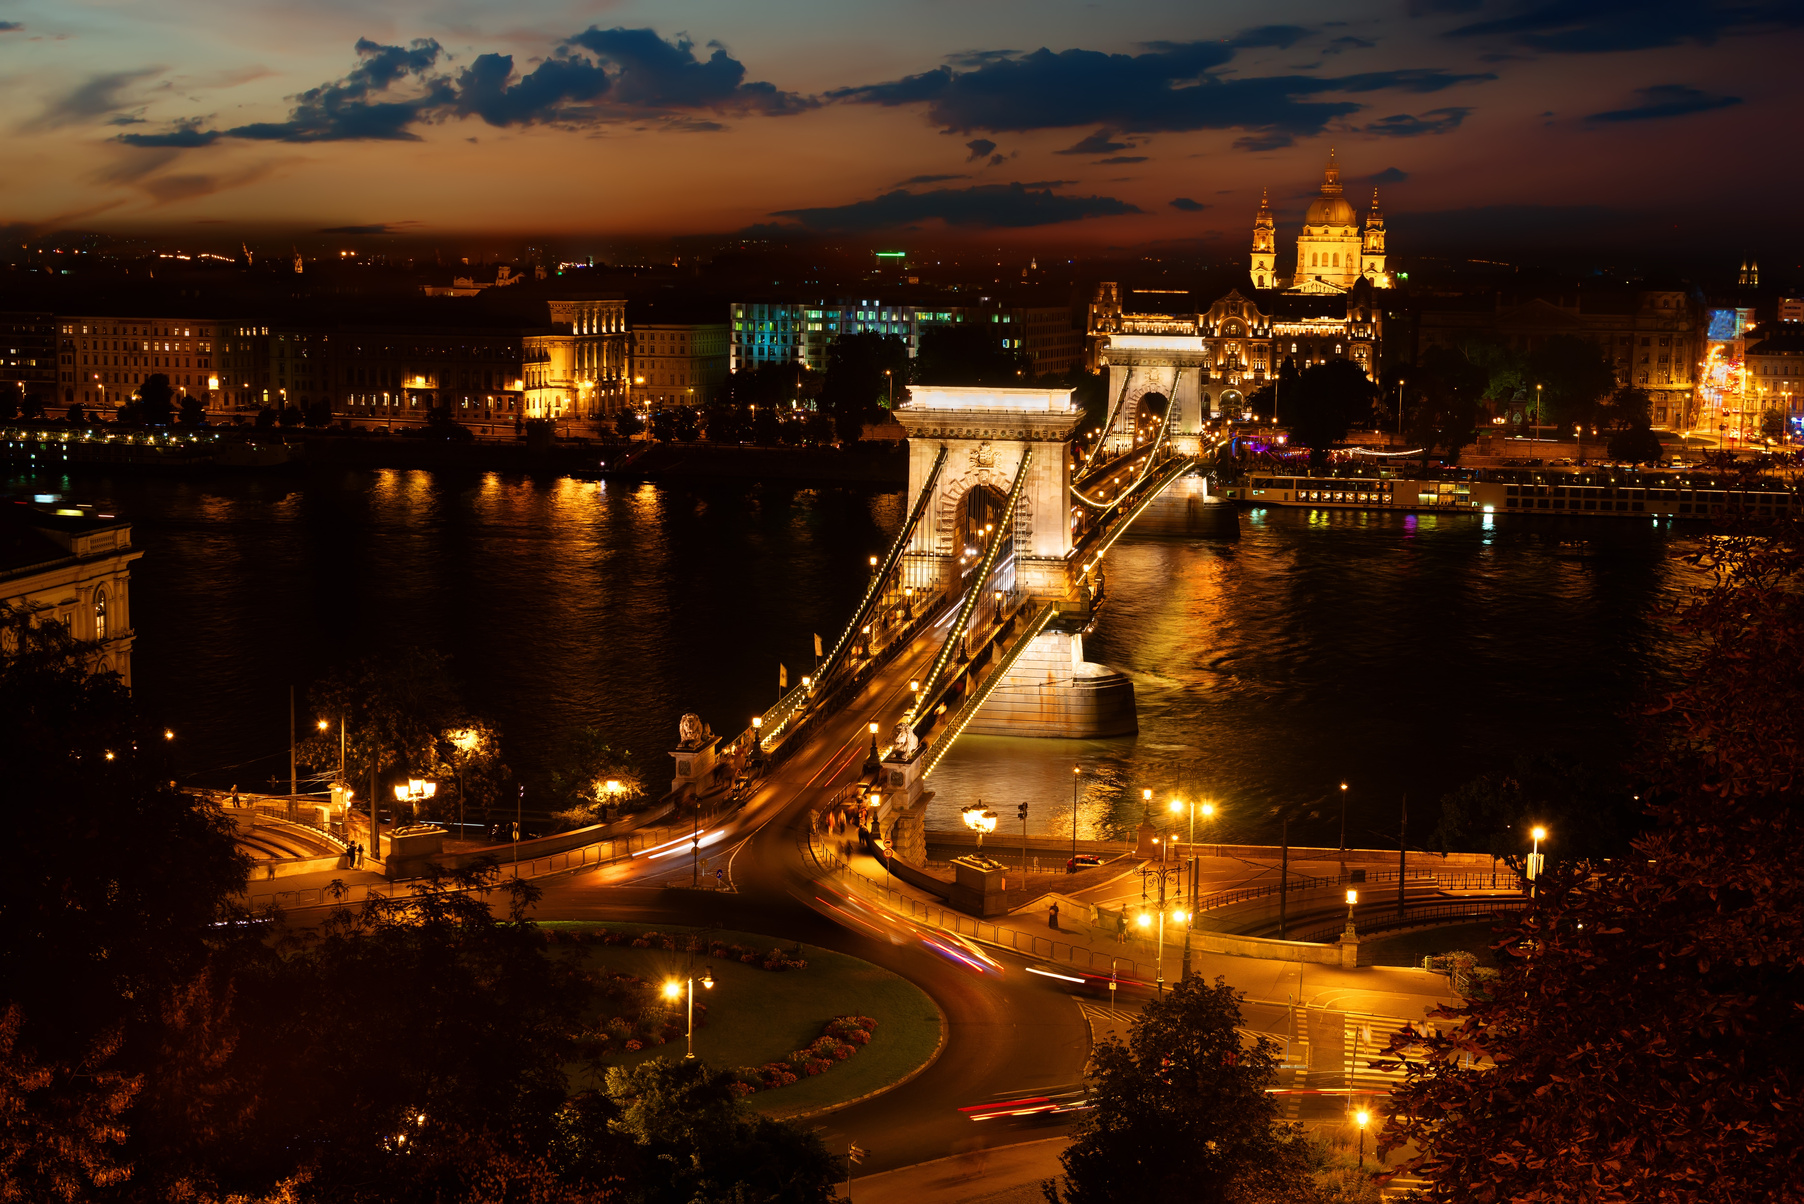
x=998 y=444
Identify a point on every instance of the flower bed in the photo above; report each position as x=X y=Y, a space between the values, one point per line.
x=774 y=959
x=842 y=1037
x=639 y=1017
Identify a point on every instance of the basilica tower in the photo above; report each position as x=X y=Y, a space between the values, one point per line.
x=1371 y=253
x=1265 y=246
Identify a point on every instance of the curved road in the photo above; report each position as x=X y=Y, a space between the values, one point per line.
x=1006 y=1035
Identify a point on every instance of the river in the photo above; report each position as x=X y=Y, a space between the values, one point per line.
x=1402 y=655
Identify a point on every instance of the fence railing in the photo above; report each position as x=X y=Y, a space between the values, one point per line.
x=1445 y=879
x=1413 y=916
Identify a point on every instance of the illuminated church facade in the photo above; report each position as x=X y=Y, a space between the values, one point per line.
x=1333 y=252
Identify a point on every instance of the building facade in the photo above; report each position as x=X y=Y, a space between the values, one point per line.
x=779 y=332
x=1775 y=377
x=29 y=357
x=103 y=360
x=1652 y=337
x=1333 y=253
x=72 y=566
x=679 y=363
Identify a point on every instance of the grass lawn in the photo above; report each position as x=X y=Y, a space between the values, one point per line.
x=1409 y=948
x=757 y=1016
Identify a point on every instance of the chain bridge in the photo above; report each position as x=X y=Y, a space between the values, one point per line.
x=981 y=602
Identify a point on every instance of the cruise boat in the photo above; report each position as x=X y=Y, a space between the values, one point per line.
x=58 y=447
x=1615 y=493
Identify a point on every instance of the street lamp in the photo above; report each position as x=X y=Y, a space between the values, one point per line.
x=979 y=820
x=1177 y=808
x=415 y=791
x=1534 y=861
x=1362 y=1118
x=674 y=990
x=1076 y=772
x=1352 y=898
x=1146 y=921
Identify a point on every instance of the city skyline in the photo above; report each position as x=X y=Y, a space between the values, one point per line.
x=1483 y=125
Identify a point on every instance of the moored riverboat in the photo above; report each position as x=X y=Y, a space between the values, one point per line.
x=1614 y=493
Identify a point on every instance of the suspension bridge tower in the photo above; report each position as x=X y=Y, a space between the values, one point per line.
x=983 y=461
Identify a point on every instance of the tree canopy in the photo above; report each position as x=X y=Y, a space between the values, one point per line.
x=1328 y=401
x=1643 y=1041
x=1180 y=1111
x=863 y=372
x=969 y=353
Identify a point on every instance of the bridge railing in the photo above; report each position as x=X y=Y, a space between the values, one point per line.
x=1450 y=910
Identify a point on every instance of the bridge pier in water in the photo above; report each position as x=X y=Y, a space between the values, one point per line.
x=1049 y=690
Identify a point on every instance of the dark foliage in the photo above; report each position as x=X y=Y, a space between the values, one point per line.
x=1328 y=401
x=970 y=353
x=1593 y=810
x=856 y=389
x=1644 y=1041
x=1180 y=1111
x=156 y=401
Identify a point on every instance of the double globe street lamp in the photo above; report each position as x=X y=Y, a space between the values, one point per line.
x=673 y=989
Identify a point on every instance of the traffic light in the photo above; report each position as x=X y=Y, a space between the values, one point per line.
x=1023 y=810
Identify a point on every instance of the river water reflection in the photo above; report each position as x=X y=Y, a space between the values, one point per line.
x=1402 y=655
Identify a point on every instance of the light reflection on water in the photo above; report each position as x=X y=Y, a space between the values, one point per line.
x=1400 y=653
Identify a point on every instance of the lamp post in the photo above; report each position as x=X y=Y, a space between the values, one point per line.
x=1076 y=772
x=1343 y=821
x=1534 y=861
x=1362 y=1118
x=1352 y=898
x=1146 y=921
x=674 y=988
x=1177 y=807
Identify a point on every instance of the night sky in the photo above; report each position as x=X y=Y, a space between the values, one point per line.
x=1485 y=123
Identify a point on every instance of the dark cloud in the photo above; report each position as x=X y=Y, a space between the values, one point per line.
x=1102 y=142
x=1338 y=45
x=655 y=74
x=1601 y=26
x=378 y=228
x=983 y=206
x=911 y=180
x=1667 y=100
x=187 y=135
x=1282 y=37
x=483 y=89
x=1390 y=175
x=1423 y=8
x=999 y=159
x=10 y=27
x=1435 y=121
x=599 y=75
x=1123 y=159
x=97 y=96
x=979 y=147
x=1173 y=86
x=1187 y=205
x=1263 y=142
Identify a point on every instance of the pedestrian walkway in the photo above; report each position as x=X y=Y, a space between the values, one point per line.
x=1009 y=1174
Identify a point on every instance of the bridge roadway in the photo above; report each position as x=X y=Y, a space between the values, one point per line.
x=1005 y=1035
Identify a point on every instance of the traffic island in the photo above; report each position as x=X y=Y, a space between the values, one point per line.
x=755 y=1016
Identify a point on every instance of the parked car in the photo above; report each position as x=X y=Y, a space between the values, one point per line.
x=1081 y=861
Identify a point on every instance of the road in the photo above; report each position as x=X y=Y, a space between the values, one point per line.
x=1006 y=1034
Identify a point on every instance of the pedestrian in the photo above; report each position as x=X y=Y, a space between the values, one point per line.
x=1121 y=927
x=234 y=794
x=1052 y=917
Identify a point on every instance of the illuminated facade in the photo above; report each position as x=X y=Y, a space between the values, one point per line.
x=1775 y=378
x=678 y=363
x=1237 y=345
x=74 y=567
x=1333 y=254
x=103 y=360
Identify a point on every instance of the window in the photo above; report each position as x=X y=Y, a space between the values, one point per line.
x=100 y=614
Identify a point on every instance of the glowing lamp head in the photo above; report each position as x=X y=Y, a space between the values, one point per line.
x=1146 y=921
x=1177 y=808
x=1343 y=785
x=1146 y=795
x=1539 y=833
x=673 y=989
x=1362 y=1118
x=168 y=735
x=873 y=727
x=323 y=725
x=1208 y=810
x=708 y=979
x=1352 y=897
x=1178 y=917
x=757 y=722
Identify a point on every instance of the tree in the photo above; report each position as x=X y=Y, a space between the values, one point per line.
x=1643 y=1040
x=157 y=400
x=1329 y=398
x=1180 y=1111
x=12 y=398
x=1442 y=401
x=77 y=415
x=396 y=706
x=266 y=417
x=1594 y=812
x=194 y=411
x=579 y=772
x=863 y=372
x=1772 y=423
x=627 y=423
x=1266 y=399
x=64 y=1122
x=970 y=353
x=1636 y=444
x=290 y=416
x=318 y=413
x=1574 y=376
x=668 y=1132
